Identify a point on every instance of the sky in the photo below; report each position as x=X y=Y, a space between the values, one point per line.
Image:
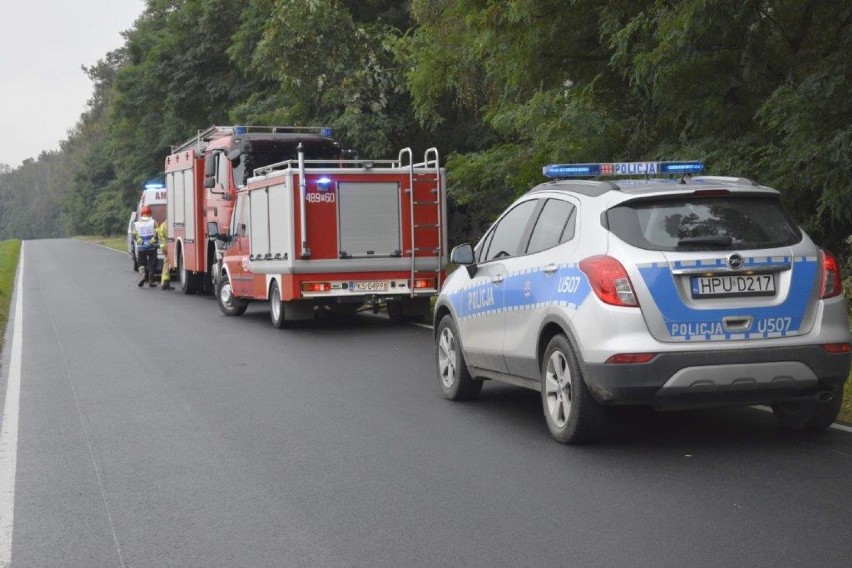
x=43 y=44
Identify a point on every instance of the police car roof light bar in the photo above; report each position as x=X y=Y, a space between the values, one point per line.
x=613 y=169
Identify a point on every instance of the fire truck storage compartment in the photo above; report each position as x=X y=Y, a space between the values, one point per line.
x=271 y=230
x=368 y=219
x=180 y=199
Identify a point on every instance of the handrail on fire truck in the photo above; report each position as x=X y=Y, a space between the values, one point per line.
x=425 y=164
x=202 y=137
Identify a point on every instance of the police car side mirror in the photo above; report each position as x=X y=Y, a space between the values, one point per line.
x=463 y=255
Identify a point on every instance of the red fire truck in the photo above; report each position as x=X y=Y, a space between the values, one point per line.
x=310 y=234
x=317 y=230
x=202 y=178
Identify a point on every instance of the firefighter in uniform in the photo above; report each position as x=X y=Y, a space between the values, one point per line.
x=163 y=237
x=145 y=234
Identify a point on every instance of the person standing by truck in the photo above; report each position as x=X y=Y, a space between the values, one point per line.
x=163 y=238
x=145 y=234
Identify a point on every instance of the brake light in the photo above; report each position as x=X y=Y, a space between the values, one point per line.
x=630 y=358
x=831 y=283
x=316 y=286
x=609 y=280
x=424 y=283
x=837 y=347
x=711 y=193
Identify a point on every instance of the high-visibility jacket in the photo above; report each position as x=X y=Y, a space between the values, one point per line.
x=163 y=235
x=144 y=232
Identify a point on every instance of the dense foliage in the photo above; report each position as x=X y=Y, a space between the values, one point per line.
x=758 y=88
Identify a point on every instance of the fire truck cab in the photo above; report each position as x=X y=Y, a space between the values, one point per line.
x=203 y=176
x=309 y=234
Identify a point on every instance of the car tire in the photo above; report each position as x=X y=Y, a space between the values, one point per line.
x=188 y=281
x=812 y=415
x=228 y=304
x=276 y=307
x=133 y=258
x=454 y=378
x=573 y=416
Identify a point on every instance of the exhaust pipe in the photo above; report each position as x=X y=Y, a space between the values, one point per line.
x=825 y=396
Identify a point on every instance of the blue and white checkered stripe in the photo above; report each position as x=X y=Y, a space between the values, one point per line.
x=688 y=324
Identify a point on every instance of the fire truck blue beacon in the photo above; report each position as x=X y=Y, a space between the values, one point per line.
x=648 y=284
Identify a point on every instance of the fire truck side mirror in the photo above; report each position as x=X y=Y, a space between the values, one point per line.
x=210 y=165
x=213 y=230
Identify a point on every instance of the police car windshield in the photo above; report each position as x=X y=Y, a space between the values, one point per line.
x=719 y=223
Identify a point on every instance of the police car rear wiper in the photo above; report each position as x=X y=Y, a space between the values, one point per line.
x=721 y=240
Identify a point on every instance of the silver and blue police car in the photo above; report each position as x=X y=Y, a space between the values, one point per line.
x=673 y=292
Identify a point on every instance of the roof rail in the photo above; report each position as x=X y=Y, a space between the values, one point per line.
x=201 y=138
x=727 y=179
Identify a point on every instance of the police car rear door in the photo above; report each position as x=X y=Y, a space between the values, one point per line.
x=713 y=265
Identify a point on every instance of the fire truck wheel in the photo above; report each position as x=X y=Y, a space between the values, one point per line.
x=229 y=305
x=276 y=307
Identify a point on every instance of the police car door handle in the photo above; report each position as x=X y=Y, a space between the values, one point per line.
x=497 y=279
x=550 y=268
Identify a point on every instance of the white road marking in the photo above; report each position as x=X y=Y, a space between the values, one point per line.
x=9 y=432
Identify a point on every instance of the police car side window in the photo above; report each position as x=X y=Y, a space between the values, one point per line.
x=506 y=237
x=551 y=225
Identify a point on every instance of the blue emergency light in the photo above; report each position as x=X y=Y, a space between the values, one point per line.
x=323 y=183
x=622 y=169
x=154 y=184
x=327 y=132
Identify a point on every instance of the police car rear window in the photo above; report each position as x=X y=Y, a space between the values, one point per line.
x=706 y=223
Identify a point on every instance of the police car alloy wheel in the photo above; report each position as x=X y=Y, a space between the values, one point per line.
x=453 y=375
x=572 y=415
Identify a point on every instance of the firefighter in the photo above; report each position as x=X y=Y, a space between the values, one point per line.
x=163 y=237
x=145 y=235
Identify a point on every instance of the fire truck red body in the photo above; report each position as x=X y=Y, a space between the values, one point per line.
x=203 y=176
x=311 y=232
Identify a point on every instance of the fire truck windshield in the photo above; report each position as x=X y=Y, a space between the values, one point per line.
x=259 y=153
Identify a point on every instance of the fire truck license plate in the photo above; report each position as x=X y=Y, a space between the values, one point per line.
x=746 y=285
x=380 y=286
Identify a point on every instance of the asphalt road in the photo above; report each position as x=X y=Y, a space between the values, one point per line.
x=154 y=431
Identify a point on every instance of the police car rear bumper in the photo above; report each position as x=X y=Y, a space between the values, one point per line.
x=705 y=378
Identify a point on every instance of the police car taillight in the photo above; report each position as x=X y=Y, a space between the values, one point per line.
x=609 y=280
x=630 y=358
x=831 y=283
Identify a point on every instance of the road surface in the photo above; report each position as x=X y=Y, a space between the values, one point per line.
x=154 y=431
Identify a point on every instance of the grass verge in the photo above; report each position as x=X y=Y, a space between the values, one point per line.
x=10 y=251
x=118 y=242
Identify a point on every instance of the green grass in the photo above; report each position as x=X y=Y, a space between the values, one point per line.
x=10 y=251
x=118 y=242
x=846 y=410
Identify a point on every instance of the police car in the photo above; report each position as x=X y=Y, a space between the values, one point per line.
x=674 y=290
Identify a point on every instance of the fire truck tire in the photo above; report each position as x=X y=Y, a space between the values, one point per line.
x=276 y=307
x=189 y=282
x=228 y=304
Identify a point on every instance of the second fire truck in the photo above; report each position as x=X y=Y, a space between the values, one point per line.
x=316 y=229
